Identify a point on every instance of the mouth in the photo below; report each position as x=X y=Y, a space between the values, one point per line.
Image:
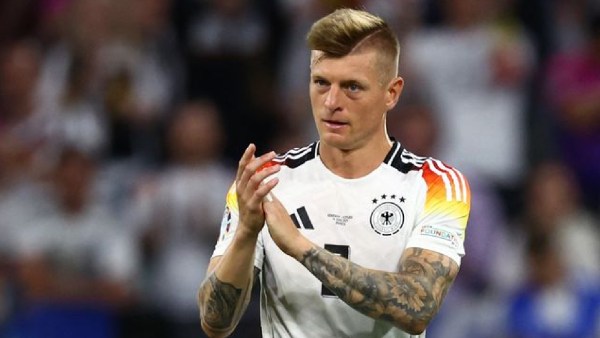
x=331 y=124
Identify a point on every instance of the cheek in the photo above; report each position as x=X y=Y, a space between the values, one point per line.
x=370 y=116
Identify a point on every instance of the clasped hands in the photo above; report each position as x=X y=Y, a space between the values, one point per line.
x=258 y=204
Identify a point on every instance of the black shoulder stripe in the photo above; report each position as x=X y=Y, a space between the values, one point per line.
x=391 y=155
x=297 y=156
x=403 y=160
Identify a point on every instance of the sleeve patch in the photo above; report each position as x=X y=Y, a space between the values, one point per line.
x=445 y=235
x=225 y=224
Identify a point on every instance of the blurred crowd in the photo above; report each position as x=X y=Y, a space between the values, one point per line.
x=121 y=124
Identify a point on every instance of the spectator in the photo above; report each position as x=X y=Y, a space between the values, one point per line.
x=475 y=68
x=228 y=58
x=574 y=94
x=550 y=304
x=76 y=262
x=73 y=55
x=141 y=78
x=22 y=117
x=75 y=118
x=179 y=213
x=553 y=207
x=21 y=137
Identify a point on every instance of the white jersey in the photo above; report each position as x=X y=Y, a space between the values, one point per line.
x=408 y=201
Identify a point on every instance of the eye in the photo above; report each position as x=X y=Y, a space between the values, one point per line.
x=353 y=87
x=320 y=82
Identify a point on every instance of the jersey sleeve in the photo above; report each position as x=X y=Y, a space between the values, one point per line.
x=229 y=225
x=442 y=220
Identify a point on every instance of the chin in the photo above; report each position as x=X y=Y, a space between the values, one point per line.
x=335 y=141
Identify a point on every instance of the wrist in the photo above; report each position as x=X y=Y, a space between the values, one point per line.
x=243 y=234
x=300 y=248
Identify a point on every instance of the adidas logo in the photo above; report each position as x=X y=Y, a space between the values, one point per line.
x=301 y=219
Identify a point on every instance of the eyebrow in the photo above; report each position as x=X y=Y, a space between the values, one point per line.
x=342 y=82
x=346 y=83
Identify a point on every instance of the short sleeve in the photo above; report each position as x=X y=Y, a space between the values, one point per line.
x=229 y=225
x=442 y=220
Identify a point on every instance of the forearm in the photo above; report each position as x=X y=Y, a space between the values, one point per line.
x=408 y=299
x=224 y=294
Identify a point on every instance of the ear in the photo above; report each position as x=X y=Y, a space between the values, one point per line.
x=393 y=93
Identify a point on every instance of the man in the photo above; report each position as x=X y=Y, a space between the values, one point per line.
x=362 y=238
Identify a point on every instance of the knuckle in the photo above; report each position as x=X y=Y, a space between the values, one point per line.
x=255 y=179
x=247 y=170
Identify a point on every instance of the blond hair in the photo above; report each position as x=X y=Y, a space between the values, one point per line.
x=348 y=30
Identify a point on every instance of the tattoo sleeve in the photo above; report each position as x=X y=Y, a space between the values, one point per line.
x=223 y=303
x=408 y=298
x=220 y=302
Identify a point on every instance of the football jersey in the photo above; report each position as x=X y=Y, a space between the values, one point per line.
x=408 y=201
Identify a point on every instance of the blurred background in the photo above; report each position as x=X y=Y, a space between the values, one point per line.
x=121 y=124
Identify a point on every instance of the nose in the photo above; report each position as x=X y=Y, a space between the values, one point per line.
x=332 y=98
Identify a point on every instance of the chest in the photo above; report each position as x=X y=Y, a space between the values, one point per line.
x=368 y=222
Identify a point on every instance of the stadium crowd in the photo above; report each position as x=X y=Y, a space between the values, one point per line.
x=121 y=123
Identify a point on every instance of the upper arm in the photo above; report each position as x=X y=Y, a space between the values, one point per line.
x=419 y=288
x=441 y=221
x=430 y=270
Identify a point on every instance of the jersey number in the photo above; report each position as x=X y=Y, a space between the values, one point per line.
x=341 y=250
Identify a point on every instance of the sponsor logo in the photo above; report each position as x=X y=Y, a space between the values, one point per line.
x=301 y=219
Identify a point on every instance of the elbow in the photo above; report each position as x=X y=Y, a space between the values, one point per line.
x=415 y=325
x=415 y=328
x=212 y=330
x=214 y=326
x=209 y=329
x=214 y=333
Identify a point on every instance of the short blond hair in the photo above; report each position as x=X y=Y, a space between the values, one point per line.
x=347 y=30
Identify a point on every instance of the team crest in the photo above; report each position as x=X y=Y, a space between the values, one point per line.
x=387 y=218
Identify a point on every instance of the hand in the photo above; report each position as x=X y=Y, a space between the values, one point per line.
x=251 y=189
x=283 y=230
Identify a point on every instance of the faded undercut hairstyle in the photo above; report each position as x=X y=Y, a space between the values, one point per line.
x=347 y=30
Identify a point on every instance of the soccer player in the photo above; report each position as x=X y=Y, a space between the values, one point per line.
x=350 y=236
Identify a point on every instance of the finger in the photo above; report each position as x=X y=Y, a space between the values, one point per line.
x=250 y=169
x=260 y=176
x=264 y=189
x=246 y=158
x=259 y=162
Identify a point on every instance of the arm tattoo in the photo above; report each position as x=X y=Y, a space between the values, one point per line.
x=408 y=299
x=221 y=300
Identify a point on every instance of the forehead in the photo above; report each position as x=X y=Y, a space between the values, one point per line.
x=355 y=65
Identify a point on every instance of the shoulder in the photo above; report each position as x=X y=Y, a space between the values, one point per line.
x=445 y=181
x=437 y=175
x=403 y=160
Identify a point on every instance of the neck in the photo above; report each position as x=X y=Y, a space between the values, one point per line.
x=354 y=163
